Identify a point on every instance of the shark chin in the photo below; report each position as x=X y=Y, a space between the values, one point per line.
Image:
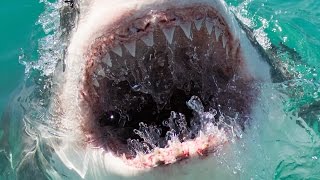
x=154 y=89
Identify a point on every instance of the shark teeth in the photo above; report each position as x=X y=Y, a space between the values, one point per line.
x=131 y=47
x=168 y=33
x=148 y=39
x=224 y=41
x=117 y=49
x=227 y=52
x=217 y=32
x=107 y=60
x=209 y=26
x=186 y=27
x=100 y=71
x=198 y=24
x=95 y=82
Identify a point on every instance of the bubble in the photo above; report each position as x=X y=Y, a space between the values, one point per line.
x=195 y=104
x=170 y=135
x=204 y=122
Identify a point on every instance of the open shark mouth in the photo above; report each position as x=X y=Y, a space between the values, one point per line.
x=157 y=89
x=164 y=86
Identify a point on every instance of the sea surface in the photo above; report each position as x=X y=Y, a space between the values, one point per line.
x=287 y=29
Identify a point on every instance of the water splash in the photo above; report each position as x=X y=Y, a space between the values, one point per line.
x=259 y=26
x=204 y=123
x=50 y=46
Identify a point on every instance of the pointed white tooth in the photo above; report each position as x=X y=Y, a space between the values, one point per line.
x=186 y=27
x=131 y=47
x=107 y=60
x=224 y=41
x=169 y=32
x=209 y=26
x=148 y=39
x=117 y=49
x=217 y=32
x=198 y=24
x=227 y=52
x=100 y=71
x=95 y=82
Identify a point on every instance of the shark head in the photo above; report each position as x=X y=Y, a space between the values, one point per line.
x=154 y=89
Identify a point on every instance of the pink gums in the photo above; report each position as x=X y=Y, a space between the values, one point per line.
x=178 y=151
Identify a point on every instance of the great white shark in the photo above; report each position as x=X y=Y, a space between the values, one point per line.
x=147 y=89
x=131 y=62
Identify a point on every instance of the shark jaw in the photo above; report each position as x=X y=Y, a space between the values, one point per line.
x=154 y=85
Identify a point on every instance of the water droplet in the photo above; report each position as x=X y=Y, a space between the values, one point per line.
x=195 y=104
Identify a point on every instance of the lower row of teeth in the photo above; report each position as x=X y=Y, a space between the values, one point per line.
x=210 y=133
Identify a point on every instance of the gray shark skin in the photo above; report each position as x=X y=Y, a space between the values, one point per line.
x=70 y=146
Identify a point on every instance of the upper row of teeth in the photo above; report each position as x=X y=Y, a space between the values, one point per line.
x=148 y=39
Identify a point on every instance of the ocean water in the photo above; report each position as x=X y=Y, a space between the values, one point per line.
x=293 y=28
x=287 y=146
x=17 y=32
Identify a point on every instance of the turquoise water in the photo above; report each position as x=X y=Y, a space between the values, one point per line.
x=294 y=28
x=18 y=32
x=294 y=23
x=288 y=29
